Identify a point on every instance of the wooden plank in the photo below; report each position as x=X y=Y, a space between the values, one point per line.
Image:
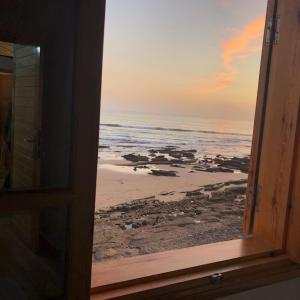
x=32 y=60
x=129 y=271
x=198 y=285
x=6 y=64
x=293 y=222
x=23 y=51
x=259 y=123
x=6 y=49
x=280 y=128
x=26 y=92
x=26 y=112
x=87 y=93
x=28 y=72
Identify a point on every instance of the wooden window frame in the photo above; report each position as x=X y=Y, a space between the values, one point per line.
x=272 y=213
x=270 y=255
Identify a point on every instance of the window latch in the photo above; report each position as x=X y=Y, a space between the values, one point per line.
x=217 y=279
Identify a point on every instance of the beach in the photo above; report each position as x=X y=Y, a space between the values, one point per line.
x=118 y=183
x=176 y=185
x=148 y=204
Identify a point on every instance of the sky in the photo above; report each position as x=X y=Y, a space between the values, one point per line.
x=198 y=57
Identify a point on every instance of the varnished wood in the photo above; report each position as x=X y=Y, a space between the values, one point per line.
x=124 y=272
x=6 y=49
x=87 y=91
x=261 y=103
x=237 y=277
x=293 y=220
x=71 y=33
x=25 y=118
x=279 y=130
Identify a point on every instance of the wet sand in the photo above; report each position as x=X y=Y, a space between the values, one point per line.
x=118 y=183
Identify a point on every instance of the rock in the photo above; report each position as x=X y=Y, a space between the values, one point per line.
x=211 y=213
x=194 y=193
x=103 y=147
x=213 y=187
x=236 y=190
x=177 y=166
x=163 y=173
x=219 y=170
x=116 y=215
x=235 y=163
x=140 y=167
x=159 y=159
x=136 y=158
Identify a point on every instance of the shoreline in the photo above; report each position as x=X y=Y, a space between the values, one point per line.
x=118 y=184
x=212 y=213
x=167 y=200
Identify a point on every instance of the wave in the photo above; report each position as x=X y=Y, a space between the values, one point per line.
x=174 y=129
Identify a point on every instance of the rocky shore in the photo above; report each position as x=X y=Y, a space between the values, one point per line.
x=209 y=214
x=174 y=157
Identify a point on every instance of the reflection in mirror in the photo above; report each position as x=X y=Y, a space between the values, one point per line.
x=20 y=117
x=32 y=253
x=34 y=130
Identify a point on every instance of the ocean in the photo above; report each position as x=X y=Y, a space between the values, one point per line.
x=137 y=133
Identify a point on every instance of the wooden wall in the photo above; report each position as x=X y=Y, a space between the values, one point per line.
x=26 y=115
x=6 y=49
x=5 y=92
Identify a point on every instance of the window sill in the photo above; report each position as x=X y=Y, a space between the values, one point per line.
x=185 y=269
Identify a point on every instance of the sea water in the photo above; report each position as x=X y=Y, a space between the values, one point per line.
x=124 y=133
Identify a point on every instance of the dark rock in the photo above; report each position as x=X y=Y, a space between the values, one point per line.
x=159 y=159
x=103 y=147
x=136 y=158
x=213 y=187
x=194 y=193
x=219 y=169
x=236 y=190
x=177 y=166
x=163 y=173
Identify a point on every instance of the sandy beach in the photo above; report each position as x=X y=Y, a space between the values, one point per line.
x=118 y=183
x=154 y=203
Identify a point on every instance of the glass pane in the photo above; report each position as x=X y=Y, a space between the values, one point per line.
x=33 y=247
x=34 y=122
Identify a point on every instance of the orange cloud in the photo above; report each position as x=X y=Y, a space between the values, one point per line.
x=235 y=49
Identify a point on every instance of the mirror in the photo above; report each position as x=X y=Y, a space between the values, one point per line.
x=34 y=117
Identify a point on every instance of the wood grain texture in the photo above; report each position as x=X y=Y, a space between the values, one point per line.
x=125 y=272
x=87 y=66
x=6 y=49
x=26 y=104
x=259 y=122
x=237 y=277
x=293 y=220
x=279 y=131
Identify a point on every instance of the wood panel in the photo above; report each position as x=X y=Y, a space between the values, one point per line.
x=129 y=271
x=199 y=285
x=88 y=64
x=5 y=91
x=293 y=222
x=6 y=65
x=5 y=103
x=259 y=121
x=280 y=128
x=6 y=49
x=26 y=117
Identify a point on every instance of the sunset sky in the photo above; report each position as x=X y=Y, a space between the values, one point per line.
x=197 y=57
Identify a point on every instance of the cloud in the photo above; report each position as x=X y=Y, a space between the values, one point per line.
x=237 y=48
